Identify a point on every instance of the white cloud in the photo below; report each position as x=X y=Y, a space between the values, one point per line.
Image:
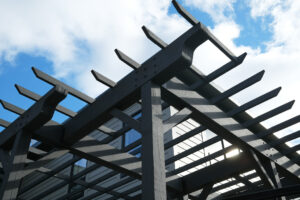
x=280 y=59
x=260 y=8
x=79 y=35
x=215 y=8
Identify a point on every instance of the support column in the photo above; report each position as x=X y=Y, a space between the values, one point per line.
x=14 y=168
x=153 y=158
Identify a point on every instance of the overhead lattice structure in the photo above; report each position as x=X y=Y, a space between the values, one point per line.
x=264 y=167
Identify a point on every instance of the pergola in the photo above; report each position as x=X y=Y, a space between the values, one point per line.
x=168 y=78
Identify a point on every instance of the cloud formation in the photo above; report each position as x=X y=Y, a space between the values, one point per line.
x=79 y=35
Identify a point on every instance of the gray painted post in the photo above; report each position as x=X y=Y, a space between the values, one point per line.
x=13 y=172
x=153 y=159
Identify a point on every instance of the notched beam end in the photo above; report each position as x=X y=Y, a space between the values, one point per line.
x=102 y=79
x=241 y=58
x=11 y=107
x=184 y=13
x=4 y=123
x=127 y=60
x=37 y=73
x=23 y=91
x=154 y=38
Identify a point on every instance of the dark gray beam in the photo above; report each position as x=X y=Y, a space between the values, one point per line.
x=126 y=119
x=4 y=123
x=37 y=165
x=94 y=182
x=111 y=188
x=291 y=150
x=193 y=21
x=38 y=114
x=194 y=149
x=212 y=76
x=56 y=154
x=237 y=88
x=159 y=68
x=218 y=122
x=286 y=138
x=219 y=171
x=218 y=72
x=156 y=40
x=127 y=60
x=76 y=181
x=153 y=154
x=254 y=102
x=52 y=81
x=268 y=194
x=102 y=79
x=185 y=136
x=200 y=161
x=8 y=106
x=35 y=97
x=245 y=181
x=242 y=189
x=21 y=130
x=279 y=126
x=168 y=124
x=269 y=114
x=175 y=119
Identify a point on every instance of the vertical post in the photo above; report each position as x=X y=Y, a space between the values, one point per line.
x=14 y=169
x=153 y=158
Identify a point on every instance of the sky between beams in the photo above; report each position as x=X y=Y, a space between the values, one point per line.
x=69 y=38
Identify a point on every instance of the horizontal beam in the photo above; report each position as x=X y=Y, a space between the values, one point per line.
x=160 y=68
x=200 y=161
x=217 y=172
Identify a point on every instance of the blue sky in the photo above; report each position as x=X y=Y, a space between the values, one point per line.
x=67 y=40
